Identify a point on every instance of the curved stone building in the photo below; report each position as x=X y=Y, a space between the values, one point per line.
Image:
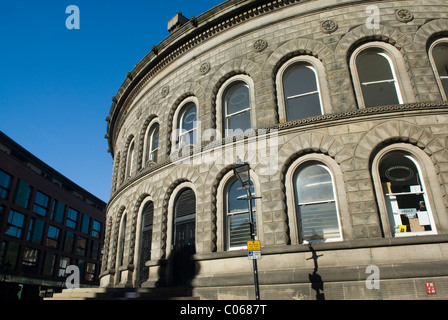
x=339 y=107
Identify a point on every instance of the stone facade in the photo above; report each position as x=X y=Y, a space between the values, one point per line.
x=251 y=41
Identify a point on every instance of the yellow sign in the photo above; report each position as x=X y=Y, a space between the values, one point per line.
x=253 y=245
x=402 y=228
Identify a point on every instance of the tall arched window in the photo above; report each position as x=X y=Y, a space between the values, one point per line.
x=377 y=78
x=186 y=124
x=237 y=215
x=301 y=92
x=438 y=53
x=317 y=213
x=152 y=143
x=130 y=159
x=236 y=108
x=405 y=195
x=122 y=240
x=380 y=76
x=146 y=239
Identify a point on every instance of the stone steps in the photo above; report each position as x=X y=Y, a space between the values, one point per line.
x=124 y=294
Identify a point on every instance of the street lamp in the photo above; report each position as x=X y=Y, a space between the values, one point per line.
x=242 y=172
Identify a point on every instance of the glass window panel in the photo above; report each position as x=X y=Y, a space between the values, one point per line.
x=5 y=183
x=373 y=66
x=30 y=260
x=41 y=203
x=303 y=107
x=72 y=218
x=36 y=231
x=64 y=262
x=68 y=243
x=22 y=195
x=404 y=194
x=81 y=246
x=96 y=229
x=188 y=117
x=237 y=98
x=440 y=55
x=380 y=94
x=319 y=221
x=239 y=123
x=53 y=237
x=239 y=229
x=85 y=224
x=236 y=191
x=57 y=214
x=49 y=261
x=313 y=184
x=299 y=79
x=16 y=222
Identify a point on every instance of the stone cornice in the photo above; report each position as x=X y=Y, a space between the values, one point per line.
x=296 y=125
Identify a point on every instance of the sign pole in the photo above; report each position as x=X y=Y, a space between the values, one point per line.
x=252 y=237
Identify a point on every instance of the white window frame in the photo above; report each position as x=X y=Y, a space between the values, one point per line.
x=334 y=200
x=177 y=133
x=403 y=84
x=322 y=86
x=429 y=193
x=221 y=108
x=149 y=136
x=228 y=214
x=130 y=158
x=434 y=66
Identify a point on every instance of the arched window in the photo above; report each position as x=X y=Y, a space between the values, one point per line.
x=236 y=108
x=301 y=92
x=377 y=77
x=405 y=194
x=237 y=215
x=438 y=53
x=130 y=159
x=146 y=239
x=380 y=76
x=152 y=143
x=317 y=213
x=186 y=124
x=122 y=240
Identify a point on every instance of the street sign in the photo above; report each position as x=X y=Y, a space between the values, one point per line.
x=254 y=255
x=253 y=245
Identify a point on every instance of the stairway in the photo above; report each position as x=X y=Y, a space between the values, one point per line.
x=124 y=294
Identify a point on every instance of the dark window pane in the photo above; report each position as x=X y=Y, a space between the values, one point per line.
x=303 y=107
x=22 y=195
x=440 y=55
x=299 y=79
x=16 y=222
x=380 y=94
x=5 y=183
x=237 y=98
x=36 y=231
x=373 y=66
x=41 y=203
x=57 y=213
x=239 y=123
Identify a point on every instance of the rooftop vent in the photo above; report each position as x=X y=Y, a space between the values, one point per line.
x=177 y=21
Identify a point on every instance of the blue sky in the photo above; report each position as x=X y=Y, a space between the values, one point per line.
x=56 y=84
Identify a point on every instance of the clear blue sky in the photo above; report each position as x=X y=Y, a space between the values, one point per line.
x=56 y=84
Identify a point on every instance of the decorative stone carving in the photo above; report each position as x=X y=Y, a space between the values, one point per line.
x=165 y=91
x=205 y=68
x=404 y=15
x=260 y=45
x=328 y=26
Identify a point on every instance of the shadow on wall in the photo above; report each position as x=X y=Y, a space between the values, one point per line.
x=316 y=280
x=179 y=270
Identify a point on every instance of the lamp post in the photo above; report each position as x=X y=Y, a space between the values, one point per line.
x=242 y=172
